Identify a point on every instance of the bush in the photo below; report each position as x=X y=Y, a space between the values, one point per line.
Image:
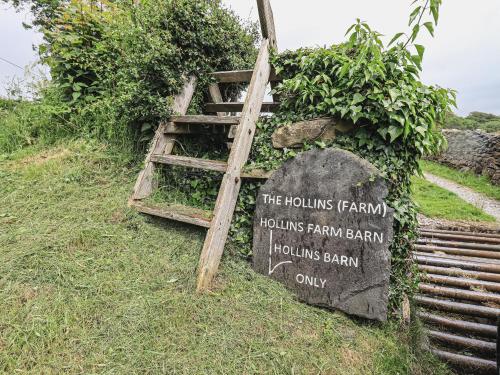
x=119 y=65
x=396 y=118
x=474 y=121
x=116 y=66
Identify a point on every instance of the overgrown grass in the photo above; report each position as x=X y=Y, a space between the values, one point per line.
x=25 y=123
x=481 y=184
x=436 y=202
x=89 y=286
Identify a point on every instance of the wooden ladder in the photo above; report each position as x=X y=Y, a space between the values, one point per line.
x=242 y=128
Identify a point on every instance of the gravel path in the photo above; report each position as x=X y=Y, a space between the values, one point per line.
x=488 y=205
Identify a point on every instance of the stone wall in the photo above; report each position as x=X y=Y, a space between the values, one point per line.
x=475 y=151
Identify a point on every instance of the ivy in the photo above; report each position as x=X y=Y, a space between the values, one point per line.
x=397 y=121
x=117 y=65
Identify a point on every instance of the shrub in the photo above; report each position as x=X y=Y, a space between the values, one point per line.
x=474 y=121
x=132 y=59
x=116 y=66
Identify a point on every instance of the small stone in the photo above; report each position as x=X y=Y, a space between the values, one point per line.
x=321 y=129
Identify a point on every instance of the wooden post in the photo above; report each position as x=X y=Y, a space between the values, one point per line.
x=228 y=194
x=268 y=30
x=162 y=144
x=216 y=96
x=267 y=22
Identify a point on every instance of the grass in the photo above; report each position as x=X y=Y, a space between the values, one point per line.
x=436 y=202
x=480 y=184
x=89 y=286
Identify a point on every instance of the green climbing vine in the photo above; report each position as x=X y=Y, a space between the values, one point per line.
x=396 y=121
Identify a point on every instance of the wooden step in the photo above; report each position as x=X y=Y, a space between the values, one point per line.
x=185 y=161
x=209 y=165
x=184 y=214
x=179 y=129
x=240 y=76
x=205 y=120
x=238 y=107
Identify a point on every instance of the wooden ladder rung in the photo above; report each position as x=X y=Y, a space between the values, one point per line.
x=240 y=76
x=177 y=129
x=184 y=214
x=189 y=162
x=238 y=107
x=205 y=120
x=209 y=165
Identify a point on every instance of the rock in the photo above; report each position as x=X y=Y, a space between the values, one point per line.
x=321 y=129
x=322 y=228
x=473 y=151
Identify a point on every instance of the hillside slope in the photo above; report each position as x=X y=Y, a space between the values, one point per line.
x=89 y=286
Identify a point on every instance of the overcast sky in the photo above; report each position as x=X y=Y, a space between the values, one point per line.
x=464 y=55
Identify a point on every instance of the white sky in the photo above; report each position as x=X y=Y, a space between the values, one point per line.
x=464 y=55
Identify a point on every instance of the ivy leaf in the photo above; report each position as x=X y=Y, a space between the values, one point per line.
x=358 y=98
x=395 y=132
x=435 y=13
x=417 y=60
x=393 y=93
x=430 y=27
x=414 y=33
x=145 y=127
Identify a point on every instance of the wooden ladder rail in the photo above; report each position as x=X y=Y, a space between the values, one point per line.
x=240 y=151
x=164 y=140
x=161 y=144
x=231 y=183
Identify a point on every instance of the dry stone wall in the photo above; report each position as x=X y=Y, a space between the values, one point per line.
x=474 y=151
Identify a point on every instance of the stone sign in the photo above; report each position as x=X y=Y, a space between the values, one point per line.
x=322 y=228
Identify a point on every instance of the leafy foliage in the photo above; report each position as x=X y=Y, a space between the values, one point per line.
x=397 y=121
x=117 y=65
x=132 y=59
x=486 y=122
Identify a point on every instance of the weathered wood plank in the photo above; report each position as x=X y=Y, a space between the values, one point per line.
x=162 y=144
x=267 y=22
x=215 y=94
x=240 y=76
x=178 y=129
x=184 y=161
x=238 y=107
x=228 y=194
x=206 y=120
x=184 y=214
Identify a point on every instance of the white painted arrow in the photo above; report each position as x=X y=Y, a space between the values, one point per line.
x=272 y=269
